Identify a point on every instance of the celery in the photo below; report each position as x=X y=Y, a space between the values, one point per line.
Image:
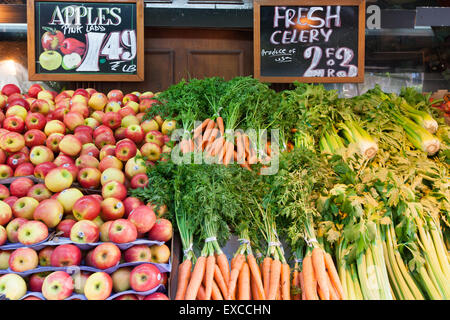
x=357 y=135
x=422 y=118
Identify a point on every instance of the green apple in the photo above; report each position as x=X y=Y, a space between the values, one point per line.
x=50 y=60
x=71 y=61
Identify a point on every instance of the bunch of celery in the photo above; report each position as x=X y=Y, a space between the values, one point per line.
x=354 y=134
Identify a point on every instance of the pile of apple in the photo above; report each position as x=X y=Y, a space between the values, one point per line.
x=95 y=140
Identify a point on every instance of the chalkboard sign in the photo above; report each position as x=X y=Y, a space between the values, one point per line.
x=309 y=41
x=92 y=40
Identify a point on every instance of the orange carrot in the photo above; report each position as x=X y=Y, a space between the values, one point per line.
x=201 y=293
x=266 y=274
x=198 y=131
x=218 y=278
x=320 y=272
x=240 y=148
x=302 y=286
x=213 y=136
x=220 y=124
x=246 y=166
x=254 y=289
x=278 y=295
x=334 y=277
x=229 y=153
x=215 y=293
x=196 y=278
x=216 y=146
x=222 y=262
x=295 y=282
x=246 y=141
x=235 y=270
x=184 y=274
x=208 y=131
x=333 y=292
x=221 y=150
x=321 y=294
x=285 y=283
x=268 y=148
x=256 y=276
x=275 y=273
x=244 y=282
x=309 y=280
x=209 y=275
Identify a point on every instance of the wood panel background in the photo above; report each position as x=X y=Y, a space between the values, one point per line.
x=175 y=54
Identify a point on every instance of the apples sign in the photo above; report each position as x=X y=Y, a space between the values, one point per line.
x=89 y=40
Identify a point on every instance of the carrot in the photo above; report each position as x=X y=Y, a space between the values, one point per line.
x=184 y=273
x=229 y=153
x=244 y=282
x=254 y=289
x=240 y=148
x=256 y=276
x=246 y=141
x=320 y=272
x=221 y=151
x=333 y=292
x=266 y=274
x=215 y=293
x=201 y=293
x=295 y=280
x=222 y=262
x=246 y=166
x=213 y=136
x=218 y=278
x=275 y=273
x=321 y=294
x=235 y=270
x=334 y=277
x=278 y=295
x=198 y=131
x=216 y=146
x=209 y=275
x=220 y=124
x=268 y=148
x=208 y=131
x=309 y=280
x=285 y=283
x=196 y=278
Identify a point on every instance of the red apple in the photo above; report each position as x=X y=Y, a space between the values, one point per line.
x=24 y=169
x=104 y=139
x=34 y=137
x=139 y=181
x=54 y=126
x=23 y=259
x=108 y=150
x=112 y=209
x=20 y=187
x=17 y=159
x=32 y=232
x=84 y=231
x=35 y=121
x=9 y=89
x=122 y=231
x=130 y=97
x=39 y=192
x=4 y=193
x=86 y=208
x=98 y=286
x=130 y=204
x=106 y=255
x=89 y=178
x=70 y=145
x=41 y=106
x=114 y=189
x=140 y=252
x=36 y=280
x=24 y=208
x=104 y=231
x=143 y=218
x=57 y=286
x=73 y=119
x=65 y=255
x=12 y=142
x=145 y=277
x=6 y=171
x=90 y=149
x=41 y=170
x=125 y=150
x=63 y=159
x=14 y=123
x=86 y=161
x=53 y=140
x=65 y=226
x=161 y=231
x=115 y=95
x=156 y=296
x=49 y=211
x=112 y=120
x=110 y=162
x=12 y=229
x=84 y=137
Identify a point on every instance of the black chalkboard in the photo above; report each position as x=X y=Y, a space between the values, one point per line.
x=317 y=41
x=91 y=40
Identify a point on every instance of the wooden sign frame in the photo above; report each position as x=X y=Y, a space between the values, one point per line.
x=139 y=76
x=257 y=39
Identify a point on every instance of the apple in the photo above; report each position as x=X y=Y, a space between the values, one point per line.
x=6 y=171
x=149 y=125
x=58 y=114
x=57 y=286
x=72 y=168
x=161 y=231
x=134 y=166
x=63 y=95
x=63 y=159
x=110 y=162
x=24 y=208
x=104 y=139
x=23 y=259
x=39 y=192
x=73 y=119
x=144 y=277
x=84 y=137
x=18 y=111
x=115 y=95
x=119 y=133
x=81 y=109
x=4 y=259
x=108 y=150
x=89 y=178
x=104 y=231
x=12 y=229
x=58 y=179
x=65 y=255
x=98 y=101
x=12 y=142
x=84 y=129
x=98 y=115
x=49 y=211
x=12 y=286
x=151 y=151
x=88 y=259
x=24 y=169
x=35 y=120
x=34 y=90
x=86 y=208
x=129 y=120
x=84 y=231
x=70 y=145
x=164 y=279
x=2 y=153
x=41 y=106
x=159 y=119
x=113 y=106
x=20 y=186
x=168 y=126
x=112 y=174
x=45 y=255
x=54 y=126
x=139 y=181
x=155 y=137
x=65 y=226
x=3 y=101
x=14 y=123
x=41 y=154
x=32 y=232
x=68 y=197
x=3 y=235
x=5 y=213
x=91 y=122
x=126 y=111
x=41 y=170
x=86 y=161
x=112 y=209
x=125 y=150
x=9 y=89
x=130 y=204
x=160 y=253
x=114 y=189
x=112 y=119
x=140 y=116
x=122 y=231
x=16 y=159
x=10 y=201
x=143 y=218
x=90 y=149
x=130 y=97
x=82 y=92
x=53 y=140
x=106 y=255
x=121 y=279
x=36 y=281
x=140 y=252
x=79 y=281
x=98 y=286
x=127 y=296
x=156 y=296
x=135 y=133
x=4 y=193
x=160 y=210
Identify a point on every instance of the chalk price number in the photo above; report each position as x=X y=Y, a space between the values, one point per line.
x=345 y=55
